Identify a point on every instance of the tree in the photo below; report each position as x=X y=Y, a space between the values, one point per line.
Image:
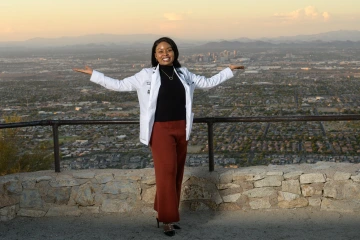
x=13 y=160
x=8 y=152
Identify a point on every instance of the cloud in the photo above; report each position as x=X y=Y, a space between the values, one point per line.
x=326 y=16
x=311 y=12
x=177 y=16
x=307 y=13
x=174 y=16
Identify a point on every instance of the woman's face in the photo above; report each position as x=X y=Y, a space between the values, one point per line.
x=164 y=54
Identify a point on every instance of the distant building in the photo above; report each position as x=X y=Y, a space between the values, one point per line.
x=81 y=142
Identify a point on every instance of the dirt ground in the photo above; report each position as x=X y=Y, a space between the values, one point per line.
x=273 y=224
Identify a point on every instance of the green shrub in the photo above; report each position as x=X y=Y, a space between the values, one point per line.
x=13 y=160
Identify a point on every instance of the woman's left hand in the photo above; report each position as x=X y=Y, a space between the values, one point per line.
x=233 y=67
x=86 y=70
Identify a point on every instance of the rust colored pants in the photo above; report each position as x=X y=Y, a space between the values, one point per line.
x=169 y=147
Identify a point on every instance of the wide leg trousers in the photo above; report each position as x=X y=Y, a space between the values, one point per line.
x=169 y=147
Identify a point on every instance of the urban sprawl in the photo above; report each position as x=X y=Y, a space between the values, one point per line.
x=39 y=84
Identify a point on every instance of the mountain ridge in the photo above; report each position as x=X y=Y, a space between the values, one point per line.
x=146 y=40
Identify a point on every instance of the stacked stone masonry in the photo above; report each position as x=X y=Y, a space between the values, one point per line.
x=321 y=186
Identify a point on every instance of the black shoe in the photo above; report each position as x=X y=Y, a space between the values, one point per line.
x=169 y=229
x=176 y=226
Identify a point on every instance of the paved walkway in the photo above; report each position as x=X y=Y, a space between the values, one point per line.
x=272 y=224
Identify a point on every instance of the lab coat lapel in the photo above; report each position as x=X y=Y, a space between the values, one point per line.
x=155 y=86
x=184 y=82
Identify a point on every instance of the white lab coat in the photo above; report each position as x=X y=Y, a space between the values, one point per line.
x=147 y=83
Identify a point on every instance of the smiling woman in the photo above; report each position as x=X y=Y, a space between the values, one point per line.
x=165 y=53
x=165 y=92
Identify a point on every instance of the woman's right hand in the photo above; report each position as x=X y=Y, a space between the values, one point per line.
x=233 y=67
x=86 y=70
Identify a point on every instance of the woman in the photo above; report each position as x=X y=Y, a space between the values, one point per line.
x=165 y=94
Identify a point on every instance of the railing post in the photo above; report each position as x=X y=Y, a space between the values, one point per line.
x=55 y=127
x=211 y=146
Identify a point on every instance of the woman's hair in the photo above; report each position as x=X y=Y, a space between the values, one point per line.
x=154 y=62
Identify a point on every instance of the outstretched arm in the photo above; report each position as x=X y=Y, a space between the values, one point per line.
x=233 y=67
x=86 y=70
x=204 y=82
x=131 y=83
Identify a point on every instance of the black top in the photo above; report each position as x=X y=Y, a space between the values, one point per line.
x=171 y=102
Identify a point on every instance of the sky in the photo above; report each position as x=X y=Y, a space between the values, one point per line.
x=187 y=19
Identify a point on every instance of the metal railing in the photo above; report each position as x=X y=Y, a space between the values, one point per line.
x=210 y=121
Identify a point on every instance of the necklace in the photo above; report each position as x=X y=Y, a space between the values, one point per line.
x=172 y=76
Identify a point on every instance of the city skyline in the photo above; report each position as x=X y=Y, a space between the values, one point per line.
x=212 y=20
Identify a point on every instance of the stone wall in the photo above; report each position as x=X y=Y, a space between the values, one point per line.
x=321 y=186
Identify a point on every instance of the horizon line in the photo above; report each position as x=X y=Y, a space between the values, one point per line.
x=187 y=39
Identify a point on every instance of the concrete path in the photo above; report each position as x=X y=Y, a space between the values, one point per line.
x=272 y=224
